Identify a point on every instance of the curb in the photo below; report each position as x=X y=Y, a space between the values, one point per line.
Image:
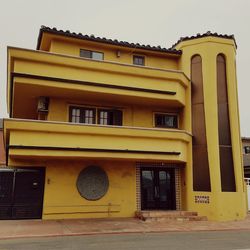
x=120 y=233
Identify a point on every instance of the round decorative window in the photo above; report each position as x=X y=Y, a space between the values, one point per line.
x=92 y=183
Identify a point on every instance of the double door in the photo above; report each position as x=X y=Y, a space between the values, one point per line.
x=21 y=193
x=157 y=189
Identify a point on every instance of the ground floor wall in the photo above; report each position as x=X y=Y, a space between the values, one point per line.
x=63 y=200
x=216 y=205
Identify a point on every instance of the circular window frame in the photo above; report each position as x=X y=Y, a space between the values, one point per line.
x=88 y=174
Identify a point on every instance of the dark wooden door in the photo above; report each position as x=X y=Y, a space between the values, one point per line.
x=157 y=189
x=22 y=191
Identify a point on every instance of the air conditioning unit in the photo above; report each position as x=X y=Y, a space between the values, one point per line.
x=43 y=104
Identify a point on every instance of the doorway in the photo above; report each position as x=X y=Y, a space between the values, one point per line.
x=21 y=193
x=158 y=189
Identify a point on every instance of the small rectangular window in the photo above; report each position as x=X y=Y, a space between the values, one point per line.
x=166 y=120
x=94 y=115
x=85 y=53
x=110 y=117
x=139 y=60
x=91 y=54
x=247 y=149
x=97 y=55
x=82 y=115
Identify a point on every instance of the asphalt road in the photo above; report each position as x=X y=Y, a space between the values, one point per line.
x=228 y=240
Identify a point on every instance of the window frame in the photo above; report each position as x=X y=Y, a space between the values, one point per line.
x=96 y=116
x=99 y=115
x=169 y=114
x=82 y=114
x=139 y=56
x=91 y=53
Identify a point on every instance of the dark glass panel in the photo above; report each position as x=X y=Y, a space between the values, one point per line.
x=85 y=53
x=227 y=169
x=166 y=120
x=117 y=119
x=164 y=185
x=197 y=81
x=224 y=126
x=198 y=125
x=148 y=189
x=201 y=174
x=226 y=156
x=158 y=188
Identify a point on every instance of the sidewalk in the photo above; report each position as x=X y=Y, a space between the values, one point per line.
x=38 y=228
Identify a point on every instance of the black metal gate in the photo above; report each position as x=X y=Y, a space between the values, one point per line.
x=21 y=193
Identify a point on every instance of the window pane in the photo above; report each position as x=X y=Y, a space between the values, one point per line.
x=169 y=121
x=85 y=53
x=166 y=120
x=88 y=116
x=75 y=115
x=103 y=118
x=117 y=117
x=97 y=55
x=247 y=149
x=138 y=60
x=91 y=54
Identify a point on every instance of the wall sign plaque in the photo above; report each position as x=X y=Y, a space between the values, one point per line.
x=92 y=183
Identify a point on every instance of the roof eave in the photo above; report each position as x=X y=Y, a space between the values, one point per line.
x=54 y=31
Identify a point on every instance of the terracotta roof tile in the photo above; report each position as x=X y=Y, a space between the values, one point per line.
x=208 y=33
x=104 y=40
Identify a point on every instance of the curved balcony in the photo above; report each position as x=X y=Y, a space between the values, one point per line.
x=43 y=139
x=37 y=73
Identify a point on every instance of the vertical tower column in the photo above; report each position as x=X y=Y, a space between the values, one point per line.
x=216 y=170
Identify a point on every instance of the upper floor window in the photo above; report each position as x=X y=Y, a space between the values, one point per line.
x=138 y=60
x=91 y=54
x=91 y=115
x=247 y=149
x=110 y=117
x=166 y=120
x=82 y=115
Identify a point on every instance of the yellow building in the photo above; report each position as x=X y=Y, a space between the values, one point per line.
x=104 y=128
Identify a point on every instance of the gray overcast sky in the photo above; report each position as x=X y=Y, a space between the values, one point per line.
x=154 y=22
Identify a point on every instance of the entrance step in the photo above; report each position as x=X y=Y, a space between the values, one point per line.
x=169 y=215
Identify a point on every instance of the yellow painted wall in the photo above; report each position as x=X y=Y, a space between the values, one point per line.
x=137 y=116
x=62 y=199
x=26 y=91
x=152 y=59
x=140 y=143
x=223 y=205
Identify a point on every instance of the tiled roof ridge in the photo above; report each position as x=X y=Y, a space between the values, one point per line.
x=105 y=40
x=208 y=33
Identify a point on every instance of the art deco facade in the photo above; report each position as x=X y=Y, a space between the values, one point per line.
x=103 y=128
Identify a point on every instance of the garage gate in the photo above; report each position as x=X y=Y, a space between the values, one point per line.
x=21 y=193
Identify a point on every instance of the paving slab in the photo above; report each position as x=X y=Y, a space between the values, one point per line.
x=69 y=227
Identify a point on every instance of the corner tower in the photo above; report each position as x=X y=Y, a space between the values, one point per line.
x=215 y=185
